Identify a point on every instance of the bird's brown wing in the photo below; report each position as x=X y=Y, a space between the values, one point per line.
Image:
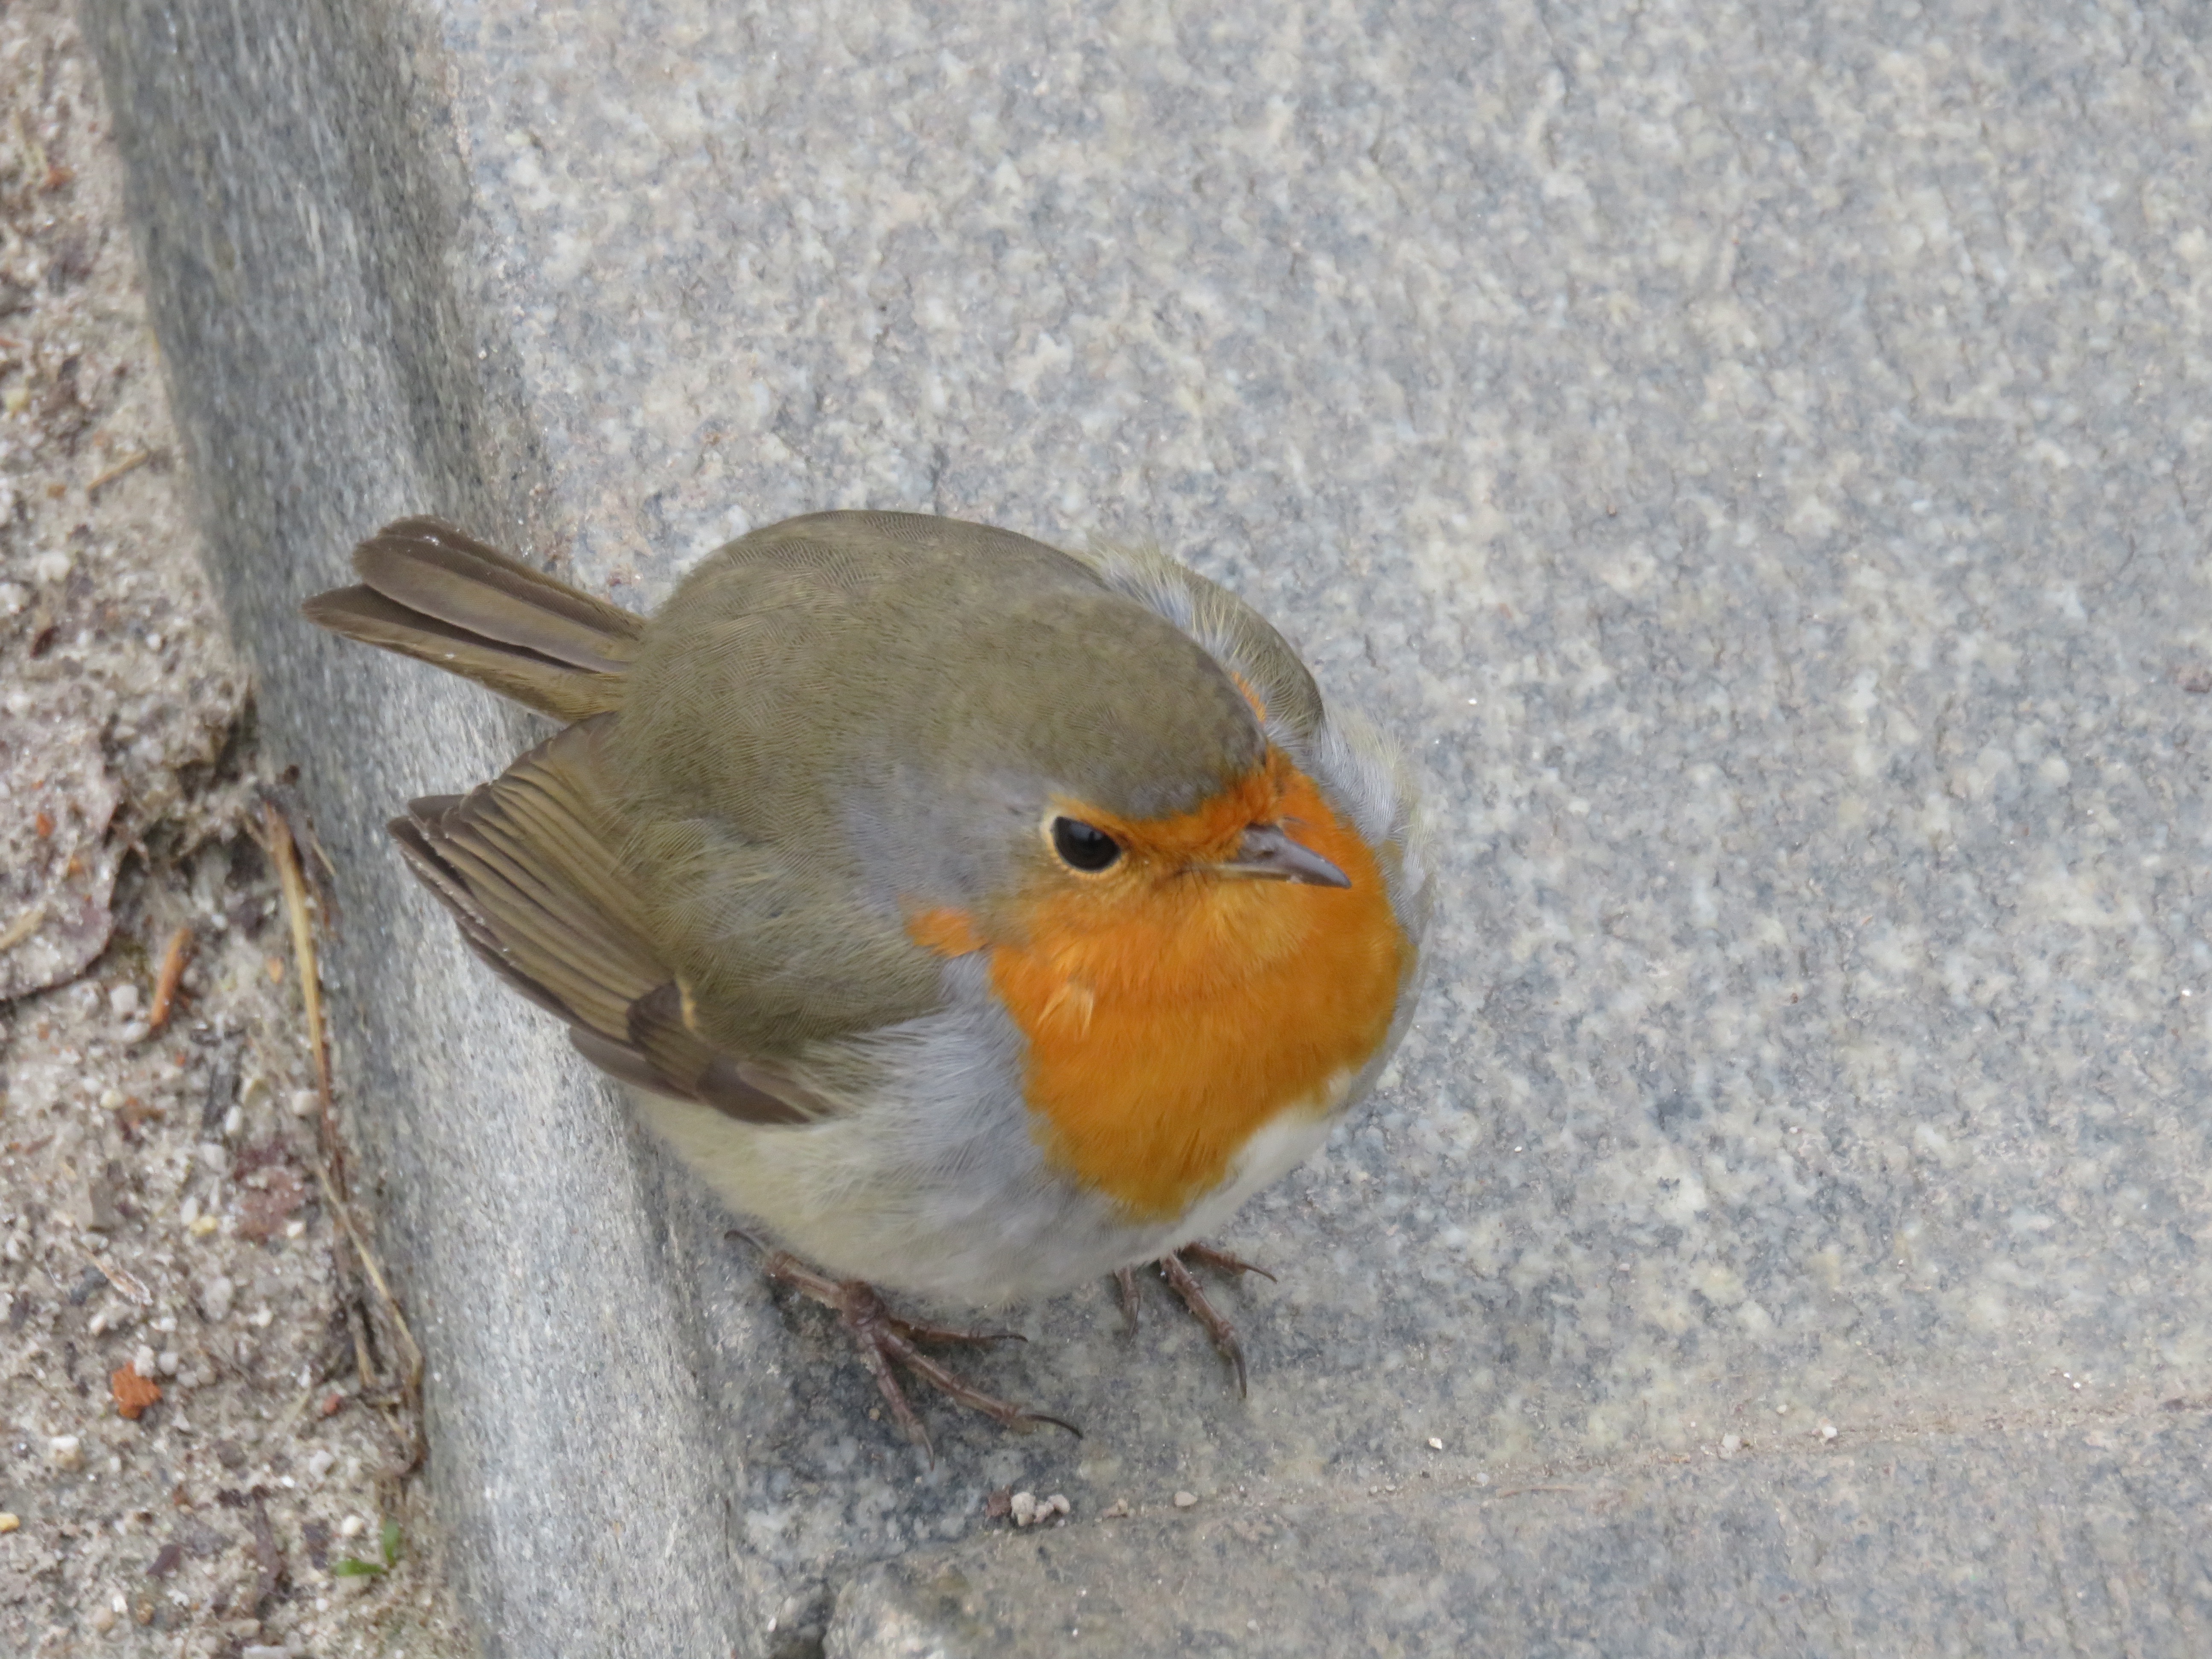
x=528 y=865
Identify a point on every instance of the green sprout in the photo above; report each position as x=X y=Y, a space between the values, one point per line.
x=351 y=1568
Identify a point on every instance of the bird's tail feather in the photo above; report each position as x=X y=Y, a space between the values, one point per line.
x=432 y=591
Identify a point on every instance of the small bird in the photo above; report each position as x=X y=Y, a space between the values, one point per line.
x=974 y=917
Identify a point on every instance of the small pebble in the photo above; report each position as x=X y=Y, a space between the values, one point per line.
x=144 y=1362
x=1482 y=1479
x=1115 y=1510
x=189 y=1211
x=122 y=1001
x=1731 y=1444
x=10 y=1521
x=168 y=1361
x=262 y=1650
x=102 y=1621
x=352 y=1527
x=1183 y=1500
x=215 y=1297
x=65 y=1451
x=1434 y=1444
x=320 y=1461
x=1027 y=1508
x=303 y=1103
x=1827 y=1431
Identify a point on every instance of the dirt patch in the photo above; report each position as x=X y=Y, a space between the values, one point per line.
x=204 y=1409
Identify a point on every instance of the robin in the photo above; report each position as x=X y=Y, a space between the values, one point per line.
x=974 y=917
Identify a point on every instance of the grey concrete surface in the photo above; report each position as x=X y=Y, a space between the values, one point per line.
x=1755 y=455
x=1893 y=1546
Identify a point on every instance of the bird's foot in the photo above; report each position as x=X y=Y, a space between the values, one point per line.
x=1175 y=1268
x=885 y=1337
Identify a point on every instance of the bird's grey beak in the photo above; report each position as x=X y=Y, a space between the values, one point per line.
x=1267 y=852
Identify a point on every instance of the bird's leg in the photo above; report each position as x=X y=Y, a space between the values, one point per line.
x=1217 y=1324
x=1173 y=1267
x=883 y=1337
x=1125 y=1281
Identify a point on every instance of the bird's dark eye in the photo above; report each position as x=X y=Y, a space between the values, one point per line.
x=1084 y=847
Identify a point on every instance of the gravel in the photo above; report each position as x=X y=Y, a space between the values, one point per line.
x=166 y=1245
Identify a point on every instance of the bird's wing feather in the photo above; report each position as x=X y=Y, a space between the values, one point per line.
x=528 y=864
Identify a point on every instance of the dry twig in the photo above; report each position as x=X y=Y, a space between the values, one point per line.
x=23 y=926
x=375 y=1275
x=284 y=853
x=129 y=464
x=132 y=1289
x=177 y=952
x=330 y=1169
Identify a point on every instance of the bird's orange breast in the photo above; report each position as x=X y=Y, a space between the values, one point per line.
x=1168 y=1022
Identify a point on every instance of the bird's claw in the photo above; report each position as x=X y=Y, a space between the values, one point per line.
x=1175 y=1269
x=884 y=1338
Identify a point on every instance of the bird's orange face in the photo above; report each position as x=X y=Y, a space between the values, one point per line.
x=1175 y=1005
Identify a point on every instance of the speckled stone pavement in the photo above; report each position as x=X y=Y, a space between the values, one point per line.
x=1756 y=457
